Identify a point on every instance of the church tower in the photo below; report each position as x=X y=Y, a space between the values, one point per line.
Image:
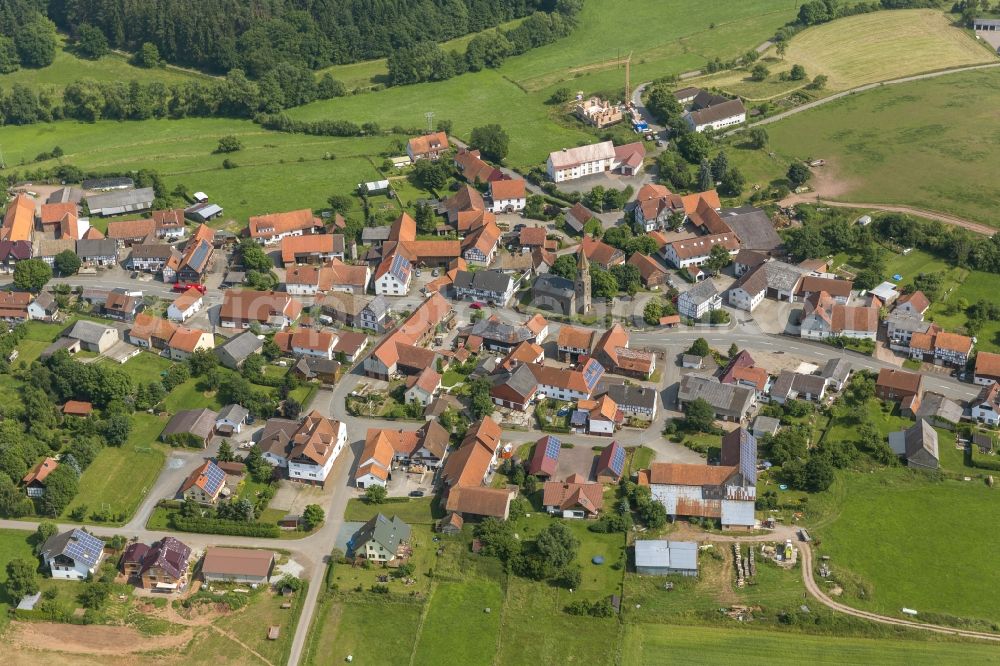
x=582 y=283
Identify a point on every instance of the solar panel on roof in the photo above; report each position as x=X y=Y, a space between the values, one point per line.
x=592 y=374
x=552 y=448
x=214 y=478
x=85 y=548
x=618 y=459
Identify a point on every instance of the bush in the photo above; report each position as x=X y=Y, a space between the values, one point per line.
x=225 y=527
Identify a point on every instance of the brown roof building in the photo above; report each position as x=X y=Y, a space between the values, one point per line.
x=898 y=385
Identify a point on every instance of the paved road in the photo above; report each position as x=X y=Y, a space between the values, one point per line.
x=953 y=220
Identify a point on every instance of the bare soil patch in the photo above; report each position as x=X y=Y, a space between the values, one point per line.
x=90 y=639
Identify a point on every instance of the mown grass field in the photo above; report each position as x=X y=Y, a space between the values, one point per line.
x=120 y=477
x=648 y=643
x=276 y=171
x=68 y=67
x=862 y=49
x=925 y=144
x=912 y=542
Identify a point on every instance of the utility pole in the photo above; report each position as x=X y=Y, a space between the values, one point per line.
x=628 y=84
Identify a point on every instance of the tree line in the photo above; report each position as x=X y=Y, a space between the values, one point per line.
x=220 y=35
x=426 y=60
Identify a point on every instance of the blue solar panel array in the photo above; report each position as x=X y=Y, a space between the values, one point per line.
x=84 y=548
x=552 y=448
x=200 y=255
x=592 y=374
x=617 y=458
x=214 y=478
x=397 y=268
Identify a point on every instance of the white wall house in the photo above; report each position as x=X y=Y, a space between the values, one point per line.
x=508 y=196
x=393 y=277
x=183 y=309
x=571 y=163
x=312 y=469
x=72 y=555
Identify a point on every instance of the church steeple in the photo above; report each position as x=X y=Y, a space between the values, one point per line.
x=582 y=285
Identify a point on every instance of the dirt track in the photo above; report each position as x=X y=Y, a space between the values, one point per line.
x=90 y=639
x=975 y=227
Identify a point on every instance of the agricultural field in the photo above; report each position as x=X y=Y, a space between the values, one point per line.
x=276 y=171
x=880 y=530
x=862 y=49
x=645 y=643
x=877 y=145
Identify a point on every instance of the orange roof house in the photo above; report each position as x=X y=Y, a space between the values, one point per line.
x=19 y=220
x=429 y=146
x=77 y=408
x=275 y=226
x=53 y=213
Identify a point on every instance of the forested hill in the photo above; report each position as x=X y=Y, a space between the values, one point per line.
x=254 y=35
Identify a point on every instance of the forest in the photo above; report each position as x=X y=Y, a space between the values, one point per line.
x=255 y=35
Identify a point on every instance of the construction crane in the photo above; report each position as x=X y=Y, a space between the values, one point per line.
x=628 y=83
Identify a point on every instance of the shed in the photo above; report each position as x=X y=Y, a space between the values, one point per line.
x=692 y=361
x=765 y=425
x=657 y=557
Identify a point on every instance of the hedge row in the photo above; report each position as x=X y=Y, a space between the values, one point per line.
x=226 y=527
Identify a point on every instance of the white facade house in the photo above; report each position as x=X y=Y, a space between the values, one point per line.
x=508 y=196
x=393 y=277
x=310 y=460
x=699 y=300
x=571 y=163
x=72 y=555
x=183 y=308
x=718 y=116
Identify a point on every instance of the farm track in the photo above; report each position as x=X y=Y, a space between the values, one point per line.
x=946 y=218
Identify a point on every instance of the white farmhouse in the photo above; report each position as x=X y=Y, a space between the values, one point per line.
x=315 y=447
x=72 y=555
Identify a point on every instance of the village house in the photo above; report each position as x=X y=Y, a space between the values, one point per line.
x=796 y=386
x=545 y=457
x=97 y=252
x=154 y=258
x=312 y=249
x=356 y=311
x=514 y=388
x=600 y=253
x=428 y=146
x=162 y=566
x=612 y=351
x=836 y=372
x=130 y=232
x=938 y=410
x=230 y=420
x=610 y=463
x=915 y=303
x=917 y=445
x=151 y=332
x=197 y=257
x=43 y=307
x=122 y=305
x=472 y=463
x=987 y=368
x=526 y=352
x=573 y=342
x=771 y=278
x=508 y=196
x=234 y=351
x=838 y=290
x=700 y=300
x=34 y=480
x=717 y=115
x=603 y=416
x=656 y=207
x=538 y=325
x=494 y=335
x=729 y=401
x=186 y=341
x=825 y=317
x=47 y=249
x=478 y=502
x=381 y=540
x=985 y=408
x=942 y=348
x=93 y=337
x=403 y=345
x=310 y=367
x=567 y=384
x=421 y=388
x=650 y=272
x=578 y=216
x=275 y=440
x=315 y=446
x=349 y=346
x=473 y=169
x=641 y=402
x=205 y=484
x=481 y=245
x=185 y=306
x=697 y=250
x=72 y=555
x=194 y=425
x=14 y=306
x=169 y=224
x=307 y=342
x=898 y=385
x=902 y=325
x=487 y=286
x=571 y=163
x=271 y=228
x=573 y=498
x=393 y=276
x=269 y=309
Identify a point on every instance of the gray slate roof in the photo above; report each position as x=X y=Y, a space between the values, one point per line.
x=753 y=226
x=500 y=332
x=240 y=346
x=643 y=397
x=701 y=292
x=197 y=422
x=105 y=247
x=233 y=413
x=836 y=369
x=936 y=406
x=386 y=532
x=88 y=331
x=729 y=399
x=143 y=195
x=766 y=424
x=492 y=281
x=549 y=283
x=521 y=380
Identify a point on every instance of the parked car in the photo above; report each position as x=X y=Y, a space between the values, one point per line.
x=416 y=493
x=476 y=306
x=436 y=272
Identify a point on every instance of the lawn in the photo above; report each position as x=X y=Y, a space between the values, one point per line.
x=464 y=605
x=146 y=367
x=13 y=545
x=187 y=396
x=119 y=477
x=648 y=643
x=879 y=529
x=973 y=286
x=250 y=624
x=877 y=146
x=181 y=150
x=421 y=510
x=357 y=628
x=885 y=417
